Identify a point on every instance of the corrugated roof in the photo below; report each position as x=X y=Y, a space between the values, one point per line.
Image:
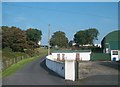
x=115 y=45
x=112 y=36
x=70 y=51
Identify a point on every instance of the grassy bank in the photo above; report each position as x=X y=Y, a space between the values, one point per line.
x=10 y=70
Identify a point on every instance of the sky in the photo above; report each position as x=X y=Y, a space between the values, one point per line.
x=60 y=0
x=68 y=17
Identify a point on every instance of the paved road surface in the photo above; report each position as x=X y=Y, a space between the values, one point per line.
x=34 y=73
x=100 y=73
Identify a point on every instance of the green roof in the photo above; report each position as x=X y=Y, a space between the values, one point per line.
x=115 y=45
x=111 y=39
x=112 y=36
x=70 y=51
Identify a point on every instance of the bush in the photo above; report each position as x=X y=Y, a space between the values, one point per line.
x=30 y=52
x=7 y=49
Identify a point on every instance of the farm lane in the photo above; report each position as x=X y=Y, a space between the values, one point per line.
x=34 y=73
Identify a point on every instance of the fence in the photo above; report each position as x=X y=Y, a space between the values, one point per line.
x=8 y=62
x=100 y=57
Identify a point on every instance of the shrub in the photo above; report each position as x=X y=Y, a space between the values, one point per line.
x=30 y=52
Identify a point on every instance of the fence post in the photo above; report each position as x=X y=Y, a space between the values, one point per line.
x=10 y=62
x=76 y=70
x=14 y=60
x=21 y=57
x=6 y=63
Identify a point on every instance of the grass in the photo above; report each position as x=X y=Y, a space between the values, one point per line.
x=16 y=66
x=8 y=54
x=13 y=68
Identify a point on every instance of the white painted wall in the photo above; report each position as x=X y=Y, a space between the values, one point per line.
x=119 y=54
x=84 y=56
x=116 y=56
x=70 y=70
x=66 y=69
x=58 y=67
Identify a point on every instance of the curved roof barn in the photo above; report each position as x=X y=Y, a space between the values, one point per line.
x=109 y=39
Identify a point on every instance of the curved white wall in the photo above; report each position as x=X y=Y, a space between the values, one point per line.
x=84 y=56
x=58 y=67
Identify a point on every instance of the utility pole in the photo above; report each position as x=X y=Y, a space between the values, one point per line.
x=48 y=39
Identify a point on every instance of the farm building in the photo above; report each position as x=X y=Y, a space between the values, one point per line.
x=67 y=69
x=110 y=44
x=115 y=51
x=83 y=55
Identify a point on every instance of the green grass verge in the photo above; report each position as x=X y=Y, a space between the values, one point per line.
x=16 y=66
x=13 y=68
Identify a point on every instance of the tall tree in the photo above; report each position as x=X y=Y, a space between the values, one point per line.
x=92 y=35
x=33 y=36
x=80 y=37
x=59 y=38
x=88 y=36
x=14 y=38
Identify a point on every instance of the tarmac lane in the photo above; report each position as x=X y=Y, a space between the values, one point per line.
x=34 y=73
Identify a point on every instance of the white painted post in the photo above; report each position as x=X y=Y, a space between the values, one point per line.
x=118 y=54
x=70 y=70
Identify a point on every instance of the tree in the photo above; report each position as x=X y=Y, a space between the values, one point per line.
x=33 y=36
x=59 y=39
x=92 y=35
x=80 y=37
x=14 y=38
x=88 y=36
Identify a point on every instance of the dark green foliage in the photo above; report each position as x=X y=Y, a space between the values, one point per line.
x=7 y=49
x=18 y=40
x=88 y=36
x=0 y=38
x=14 y=38
x=30 y=52
x=80 y=37
x=59 y=39
x=33 y=37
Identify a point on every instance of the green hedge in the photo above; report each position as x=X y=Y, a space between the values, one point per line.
x=100 y=57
